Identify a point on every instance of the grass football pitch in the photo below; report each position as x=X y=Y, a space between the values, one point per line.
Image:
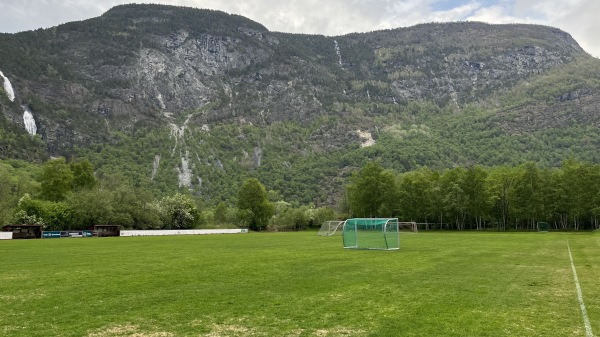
x=300 y=284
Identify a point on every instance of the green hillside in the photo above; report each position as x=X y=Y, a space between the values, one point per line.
x=180 y=99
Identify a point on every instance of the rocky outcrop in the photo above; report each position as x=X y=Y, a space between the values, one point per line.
x=188 y=72
x=571 y=109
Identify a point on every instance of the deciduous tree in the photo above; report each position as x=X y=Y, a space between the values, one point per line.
x=56 y=180
x=372 y=192
x=179 y=212
x=83 y=174
x=254 y=206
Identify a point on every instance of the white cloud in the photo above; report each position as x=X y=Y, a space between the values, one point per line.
x=497 y=14
x=576 y=17
x=335 y=17
x=456 y=14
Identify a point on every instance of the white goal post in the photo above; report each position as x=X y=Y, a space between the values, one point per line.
x=329 y=228
x=408 y=227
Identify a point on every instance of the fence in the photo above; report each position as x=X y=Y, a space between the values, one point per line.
x=181 y=232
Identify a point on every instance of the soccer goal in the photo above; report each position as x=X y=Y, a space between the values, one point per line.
x=408 y=227
x=329 y=228
x=371 y=233
x=543 y=227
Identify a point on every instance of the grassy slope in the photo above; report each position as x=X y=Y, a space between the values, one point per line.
x=298 y=284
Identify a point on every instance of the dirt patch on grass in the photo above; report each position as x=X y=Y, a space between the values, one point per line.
x=228 y=330
x=338 y=332
x=245 y=327
x=127 y=330
x=12 y=328
x=22 y=297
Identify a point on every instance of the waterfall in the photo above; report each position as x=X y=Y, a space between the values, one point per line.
x=29 y=121
x=337 y=51
x=155 y=166
x=8 y=87
x=185 y=172
x=27 y=115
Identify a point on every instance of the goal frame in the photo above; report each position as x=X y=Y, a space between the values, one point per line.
x=371 y=234
x=412 y=226
x=330 y=228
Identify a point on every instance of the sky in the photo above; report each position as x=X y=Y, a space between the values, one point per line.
x=336 y=17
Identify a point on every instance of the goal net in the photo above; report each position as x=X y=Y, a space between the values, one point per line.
x=371 y=233
x=408 y=227
x=543 y=227
x=329 y=228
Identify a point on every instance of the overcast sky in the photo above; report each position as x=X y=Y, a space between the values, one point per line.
x=336 y=17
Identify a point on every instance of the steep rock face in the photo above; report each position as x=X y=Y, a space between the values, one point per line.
x=193 y=74
x=182 y=77
x=125 y=67
x=570 y=109
x=146 y=66
x=457 y=62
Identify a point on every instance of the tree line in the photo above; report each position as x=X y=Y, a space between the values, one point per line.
x=61 y=195
x=65 y=195
x=480 y=198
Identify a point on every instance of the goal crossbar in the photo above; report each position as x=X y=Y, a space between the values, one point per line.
x=371 y=233
x=329 y=228
x=411 y=226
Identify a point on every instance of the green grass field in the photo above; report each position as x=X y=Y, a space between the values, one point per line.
x=300 y=284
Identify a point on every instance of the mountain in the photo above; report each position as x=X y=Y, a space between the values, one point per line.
x=182 y=98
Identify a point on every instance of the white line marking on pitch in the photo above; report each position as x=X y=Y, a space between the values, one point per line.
x=586 y=320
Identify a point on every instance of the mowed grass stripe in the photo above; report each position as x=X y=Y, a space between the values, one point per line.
x=295 y=284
